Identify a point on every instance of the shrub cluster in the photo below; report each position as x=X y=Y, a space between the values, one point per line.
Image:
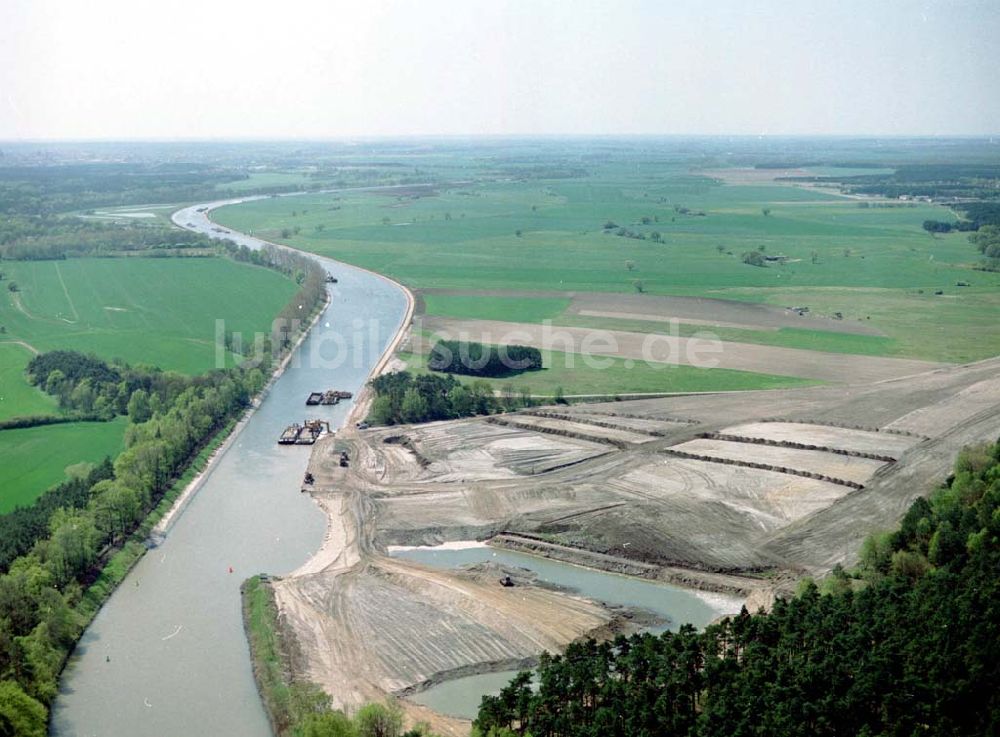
x=402 y=398
x=478 y=359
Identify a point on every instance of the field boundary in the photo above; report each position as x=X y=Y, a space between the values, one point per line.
x=568 y=417
x=845 y=426
x=512 y=422
x=796 y=446
x=763 y=467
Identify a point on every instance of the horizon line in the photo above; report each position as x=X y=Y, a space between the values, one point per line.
x=348 y=138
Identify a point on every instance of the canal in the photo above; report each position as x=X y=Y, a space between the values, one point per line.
x=166 y=655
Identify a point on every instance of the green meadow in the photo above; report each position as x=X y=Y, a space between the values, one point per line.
x=34 y=459
x=158 y=311
x=812 y=340
x=875 y=264
x=17 y=397
x=514 y=309
x=605 y=376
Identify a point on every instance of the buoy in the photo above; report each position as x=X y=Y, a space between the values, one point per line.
x=230 y=569
x=107 y=658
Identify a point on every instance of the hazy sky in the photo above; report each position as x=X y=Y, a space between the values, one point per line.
x=331 y=68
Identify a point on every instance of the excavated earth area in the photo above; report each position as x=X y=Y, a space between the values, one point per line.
x=710 y=491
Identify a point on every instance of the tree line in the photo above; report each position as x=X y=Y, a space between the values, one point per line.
x=50 y=189
x=987 y=241
x=964 y=181
x=404 y=398
x=908 y=643
x=43 y=237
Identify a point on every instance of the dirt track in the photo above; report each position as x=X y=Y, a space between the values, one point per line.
x=674 y=350
x=691 y=310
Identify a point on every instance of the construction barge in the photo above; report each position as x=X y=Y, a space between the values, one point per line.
x=305 y=434
x=330 y=396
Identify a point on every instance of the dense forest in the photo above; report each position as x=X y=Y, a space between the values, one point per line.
x=909 y=643
x=402 y=398
x=57 y=188
x=938 y=181
x=478 y=359
x=56 y=237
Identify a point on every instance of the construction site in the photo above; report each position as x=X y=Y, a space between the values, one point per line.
x=738 y=493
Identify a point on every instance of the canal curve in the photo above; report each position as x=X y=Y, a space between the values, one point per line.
x=166 y=655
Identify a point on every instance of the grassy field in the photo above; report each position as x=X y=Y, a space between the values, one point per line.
x=814 y=340
x=616 y=376
x=17 y=397
x=143 y=310
x=515 y=309
x=34 y=459
x=872 y=263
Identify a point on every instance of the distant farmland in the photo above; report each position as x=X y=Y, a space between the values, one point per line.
x=669 y=231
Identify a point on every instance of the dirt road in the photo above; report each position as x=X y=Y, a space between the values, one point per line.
x=839 y=368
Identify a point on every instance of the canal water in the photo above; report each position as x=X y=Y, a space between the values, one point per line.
x=166 y=656
x=461 y=697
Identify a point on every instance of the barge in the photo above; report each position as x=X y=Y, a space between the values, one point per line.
x=305 y=434
x=329 y=397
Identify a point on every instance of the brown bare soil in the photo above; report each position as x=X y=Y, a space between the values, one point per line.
x=846 y=467
x=710 y=312
x=597 y=485
x=706 y=311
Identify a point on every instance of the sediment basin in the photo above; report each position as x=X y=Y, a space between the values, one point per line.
x=676 y=606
